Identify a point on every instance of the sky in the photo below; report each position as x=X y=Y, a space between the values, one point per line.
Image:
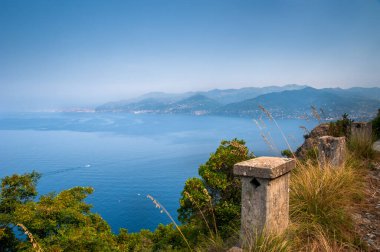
x=62 y=53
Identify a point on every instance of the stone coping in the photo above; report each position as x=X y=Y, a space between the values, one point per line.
x=264 y=167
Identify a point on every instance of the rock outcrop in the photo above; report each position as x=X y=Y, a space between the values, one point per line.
x=312 y=140
x=331 y=151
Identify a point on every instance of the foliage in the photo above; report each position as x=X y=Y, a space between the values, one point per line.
x=216 y=195
x=61 y=222
x=287 y=153
x=312 y=154
x=64 y=221
x=340 y=127
x=164 y=238
x=15 y=191
x=376 y=125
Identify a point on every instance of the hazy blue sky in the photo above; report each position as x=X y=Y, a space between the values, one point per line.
x=75 y=52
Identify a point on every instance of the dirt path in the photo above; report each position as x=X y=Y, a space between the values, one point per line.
x=368 y=217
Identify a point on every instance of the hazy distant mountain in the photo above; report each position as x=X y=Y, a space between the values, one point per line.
x=358 y=92
x=150 y=104
x=225 y=96
x=296 y=103
x=291 y=101
x=196 y=104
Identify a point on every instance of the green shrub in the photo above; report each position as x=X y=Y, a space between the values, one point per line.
x=312 y=154
x=57 y=222
x=340 y=127
x=287 y=153
x=376 y=125
x=213 y=201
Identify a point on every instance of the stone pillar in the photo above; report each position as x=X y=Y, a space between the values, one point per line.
x=331 y=151
x=265 y=195
x=361 y=130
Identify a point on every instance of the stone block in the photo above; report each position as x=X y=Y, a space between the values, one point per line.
x=331 y=151
x=265 y=195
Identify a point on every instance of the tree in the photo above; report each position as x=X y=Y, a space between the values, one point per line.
x=15 y=191
x=215 y=199
x=58 y=222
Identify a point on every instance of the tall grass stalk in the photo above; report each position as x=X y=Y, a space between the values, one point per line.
x=211 y=209
x=163 y=209
x=278 y=127
x=265 y=135
x=315 y=114
x=200 y=211
x=305 y=130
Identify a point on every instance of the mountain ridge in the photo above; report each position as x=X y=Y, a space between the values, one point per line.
x=290 y=101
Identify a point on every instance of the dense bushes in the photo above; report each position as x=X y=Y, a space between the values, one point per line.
x=376 y=125
x=61 y=222
x=340 y=127
x=216 y=195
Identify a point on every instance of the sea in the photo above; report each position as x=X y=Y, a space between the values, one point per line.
x=126 y=157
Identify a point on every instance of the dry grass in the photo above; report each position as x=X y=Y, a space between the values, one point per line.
x=264 y=242
x=320 y=204
x=322 y=199
x=360 y=146
x=269 y=115
x=318 y=241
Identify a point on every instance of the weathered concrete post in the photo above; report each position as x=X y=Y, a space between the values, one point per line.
x=331 y=151
x=361 y=130
x=265 y=195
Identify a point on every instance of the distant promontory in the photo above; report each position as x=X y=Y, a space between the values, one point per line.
x=289 y=101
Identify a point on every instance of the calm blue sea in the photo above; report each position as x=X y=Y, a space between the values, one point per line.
x=124 y=157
